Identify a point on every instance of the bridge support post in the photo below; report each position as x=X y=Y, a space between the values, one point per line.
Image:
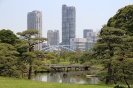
x=67 y=69
x=75 y=68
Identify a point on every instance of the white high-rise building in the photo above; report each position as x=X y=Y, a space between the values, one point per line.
x=34 y=22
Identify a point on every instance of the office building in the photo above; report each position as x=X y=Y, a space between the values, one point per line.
x=53 y=37
x=81 y=43
x=87 y=33
x=90 y=35
x=34 y=22
x=68 y=24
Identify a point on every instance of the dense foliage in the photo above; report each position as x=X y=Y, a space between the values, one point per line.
x=115 y=47
x=31 y=55
x=17 y=55
x=8 y=60
x=7 y=36
x=123 y=19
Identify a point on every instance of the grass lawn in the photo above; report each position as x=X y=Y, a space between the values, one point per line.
x=64 y=63
x=6 y=82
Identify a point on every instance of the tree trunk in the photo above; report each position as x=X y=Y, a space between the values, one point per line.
x=30 y=71
x=22 y=74
x=126 y=82
x=107 y=80
x=115 y=82
x=108 y=77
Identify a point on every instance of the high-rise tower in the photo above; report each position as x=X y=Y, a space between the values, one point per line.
x=34 y=22
x=90 y=35
x=87 y=32
x=53 y=37
x=68 y=24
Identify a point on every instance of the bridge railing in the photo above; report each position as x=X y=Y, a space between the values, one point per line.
x=52 y=47
x=70 y=65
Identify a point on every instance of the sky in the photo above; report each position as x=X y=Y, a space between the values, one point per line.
x=90 y=14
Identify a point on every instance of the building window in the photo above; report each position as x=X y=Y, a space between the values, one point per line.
x=89 y=34
x=72 y=39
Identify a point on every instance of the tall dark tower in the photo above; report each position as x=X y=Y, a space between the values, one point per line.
x=68 y=24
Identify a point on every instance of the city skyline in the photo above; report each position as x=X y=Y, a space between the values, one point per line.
x=89 y=14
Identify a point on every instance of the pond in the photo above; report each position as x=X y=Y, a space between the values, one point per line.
x=77 y=77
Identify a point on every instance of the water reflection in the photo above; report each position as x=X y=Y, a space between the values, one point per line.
x=77 y=77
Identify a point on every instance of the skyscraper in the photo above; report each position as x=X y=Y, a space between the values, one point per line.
x=90 y=35
x=87 y=32
x=53 y=37
x=68 y=24
x=34 y=22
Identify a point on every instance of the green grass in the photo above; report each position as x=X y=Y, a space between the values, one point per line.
x=65 y=63
x=6 y=82
x=98 y=65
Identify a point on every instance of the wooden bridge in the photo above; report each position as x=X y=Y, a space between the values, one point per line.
x=70 y=67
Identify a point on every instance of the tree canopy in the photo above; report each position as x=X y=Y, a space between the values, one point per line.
x=123 y=19
x=115 y=50
x=7 y=36
x=31 y=55
x=8 y=59
x=110 y=40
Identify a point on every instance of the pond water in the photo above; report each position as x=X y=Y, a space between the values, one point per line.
x=77 y=77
